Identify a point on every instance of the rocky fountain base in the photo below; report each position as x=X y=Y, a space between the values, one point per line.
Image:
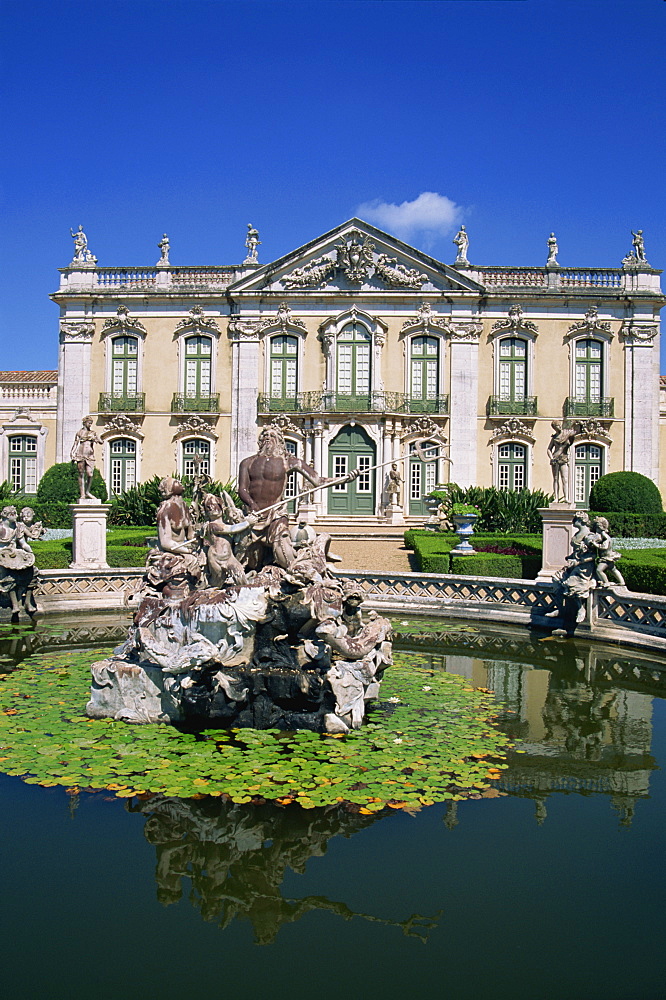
x=271 y=654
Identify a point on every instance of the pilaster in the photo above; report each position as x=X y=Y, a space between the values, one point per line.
x=244 y=336
x=464 y=401
x=641 y=397
x=76 y=338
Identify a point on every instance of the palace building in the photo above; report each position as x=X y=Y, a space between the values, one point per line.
x=358 y=346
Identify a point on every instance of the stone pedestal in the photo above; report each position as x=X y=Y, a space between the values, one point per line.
x=89 y=541
x=394 y=513
x=308 y=511
x=558 y=531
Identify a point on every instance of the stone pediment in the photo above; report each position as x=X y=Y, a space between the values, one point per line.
x=353 y=257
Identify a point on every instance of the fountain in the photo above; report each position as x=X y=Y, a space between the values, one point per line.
x=242 y=622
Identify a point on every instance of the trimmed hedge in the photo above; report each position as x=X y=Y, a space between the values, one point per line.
x=644 y=570
x=625 y=525
x=629 y=492
x=433 y=554
x=57 y=554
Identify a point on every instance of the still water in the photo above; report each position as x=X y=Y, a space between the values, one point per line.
x=554 y=889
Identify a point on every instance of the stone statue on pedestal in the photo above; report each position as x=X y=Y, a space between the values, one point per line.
x=394 y=485
x=83 y=455
x=558 y=455
x=81 y=253
x=163 y=246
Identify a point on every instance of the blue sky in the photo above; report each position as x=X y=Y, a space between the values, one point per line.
x=195 y=118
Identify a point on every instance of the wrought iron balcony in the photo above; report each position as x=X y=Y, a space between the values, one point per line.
x=277 y=404
x=378 y=401
x=523 y=406
x=436 y=404
x=129 y=402
x=182 y=403
x=575 y=407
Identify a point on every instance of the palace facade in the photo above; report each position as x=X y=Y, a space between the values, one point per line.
x=359 y=346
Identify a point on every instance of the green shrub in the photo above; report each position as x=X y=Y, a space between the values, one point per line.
x=138 y=505
x=60 y=483
x=644 y=570
x=505 y=511
x=433 y=549
x=628 y=492
x=487 y=564
x=624 y=525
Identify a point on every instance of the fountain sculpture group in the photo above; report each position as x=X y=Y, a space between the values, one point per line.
x=242 y=621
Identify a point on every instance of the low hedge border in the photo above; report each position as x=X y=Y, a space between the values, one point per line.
x=433 y=554
x=124 y=548
x=623 y=525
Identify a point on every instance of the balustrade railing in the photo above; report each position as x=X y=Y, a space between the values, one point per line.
x=576 y=277
x=512 y=277
x=129 y=402
x=525 y=406
x=436 y=404
x=17 y=392
x=379 y=401
x=201 y=277
x=124 y=277
x=182 y=403
x=574 y=407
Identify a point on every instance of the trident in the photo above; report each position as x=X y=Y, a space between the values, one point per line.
x=418 y=445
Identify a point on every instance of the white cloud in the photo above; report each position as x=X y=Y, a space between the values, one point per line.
x=430 y=215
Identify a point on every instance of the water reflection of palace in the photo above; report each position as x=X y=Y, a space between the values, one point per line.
x=582 y=714
x=237 y=856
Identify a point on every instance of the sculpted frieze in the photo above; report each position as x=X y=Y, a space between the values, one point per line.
x=424 y=427
x=243 y=329
x=284 y=424
x=591 y=428
x=513 y=428
x=514 y=323
x=195 y=423
x=122 y=423
x=311 y=275
x=426 y=319
x=396 y=275
x=283 y=321
x=72 y=330
x=197 y=320
x=590 y=325
x=124 y=322
x=639 y=333
x=466 y=332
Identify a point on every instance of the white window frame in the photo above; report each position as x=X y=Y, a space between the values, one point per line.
x=300 y=356
x=528 y=445
x=109 y=337
x=605 y=340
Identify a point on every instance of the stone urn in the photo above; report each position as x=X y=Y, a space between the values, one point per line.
x=464 y=522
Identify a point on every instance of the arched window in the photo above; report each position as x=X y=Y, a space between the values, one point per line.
x=589 y=371
x=196 y=457
x=588 y=467
x=23 y=463
x=198 y=352
x=122 y=464
x=511 y=466
x=512 y=369
x=353 y=367
x=124 y=355
x=424 y=374
x=284 y=372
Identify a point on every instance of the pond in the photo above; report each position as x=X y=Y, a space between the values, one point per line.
x=549 y=884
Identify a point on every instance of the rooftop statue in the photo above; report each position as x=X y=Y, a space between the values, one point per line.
x=461 y=240
x=163 y=246
x=637 y=255
x=252 y=241
x=82 y=254
x=553 y=251
x=83 y=455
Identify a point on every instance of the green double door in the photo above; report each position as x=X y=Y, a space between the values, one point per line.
x=352 y=449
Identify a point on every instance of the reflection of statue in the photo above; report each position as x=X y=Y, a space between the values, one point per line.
x=83 y=454
x=173 y=568
x=552 y=251
x=461 y=240
x=17 y=561
x=394 y=484
x=163 y=246
x=558 y=455
x=252 y=241
x=237 y=857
